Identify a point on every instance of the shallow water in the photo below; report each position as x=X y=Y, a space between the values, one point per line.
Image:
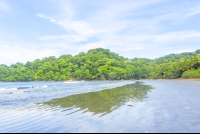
x=15 y=94
x=117 y=106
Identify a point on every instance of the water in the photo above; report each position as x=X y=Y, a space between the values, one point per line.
x=15 y=94
x=102 y=106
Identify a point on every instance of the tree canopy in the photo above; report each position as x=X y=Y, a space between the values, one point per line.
x=101 y=64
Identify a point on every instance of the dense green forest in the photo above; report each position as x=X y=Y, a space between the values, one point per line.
x=101 y=64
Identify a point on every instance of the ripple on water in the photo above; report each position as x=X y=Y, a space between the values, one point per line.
x=65 y=108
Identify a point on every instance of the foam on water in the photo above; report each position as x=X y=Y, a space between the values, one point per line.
x=14 y=88
x=74 y=82
x=44 y=86
x=20 y=88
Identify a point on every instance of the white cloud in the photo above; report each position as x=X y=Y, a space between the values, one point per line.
x=52 y=20
x=4 y=6
x=121 y=26
x=68 y=38
x=43 y=16
x=78 y=30
x=165 y=37
x=178 y=51
x=80 y=27
x=101 y=23
x=176 y=36
x=13 y=53
x=66 y=8
x=89 y=46
x=193 y=11
x=74 y=49
x=118 y=8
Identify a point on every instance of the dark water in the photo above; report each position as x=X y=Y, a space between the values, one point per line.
x=141 y=106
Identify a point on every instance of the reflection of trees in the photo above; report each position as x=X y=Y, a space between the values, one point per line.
x=104 y=101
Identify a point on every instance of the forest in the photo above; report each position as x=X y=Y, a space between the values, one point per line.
x=101 y=64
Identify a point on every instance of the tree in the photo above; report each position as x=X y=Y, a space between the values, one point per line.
x=102 y=64
x=112 y=75
x=197 y=51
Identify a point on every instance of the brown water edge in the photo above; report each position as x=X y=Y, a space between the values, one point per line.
x=178 y=79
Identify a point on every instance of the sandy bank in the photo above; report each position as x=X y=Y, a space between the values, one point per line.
x=178 y=79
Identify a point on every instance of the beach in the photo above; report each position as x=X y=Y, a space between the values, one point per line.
x=103 y=106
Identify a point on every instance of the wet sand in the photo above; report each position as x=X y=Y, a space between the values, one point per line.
x=174 y=106
x=178 y=79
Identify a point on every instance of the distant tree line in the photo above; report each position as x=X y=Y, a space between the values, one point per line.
x=101 y=64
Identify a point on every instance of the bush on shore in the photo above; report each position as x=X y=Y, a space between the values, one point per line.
x=191 y=73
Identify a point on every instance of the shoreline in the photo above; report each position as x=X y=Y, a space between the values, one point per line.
x=178 y=79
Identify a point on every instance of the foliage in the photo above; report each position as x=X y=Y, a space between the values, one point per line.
x=101 y=64
x=191 y=73
x=182 y=68
x=176 y=57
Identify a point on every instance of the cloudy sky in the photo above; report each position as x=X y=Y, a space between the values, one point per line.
x=31 y=29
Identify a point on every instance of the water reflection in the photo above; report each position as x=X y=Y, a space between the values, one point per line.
x=105 y=101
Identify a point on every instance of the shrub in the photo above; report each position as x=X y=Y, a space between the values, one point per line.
x=191 y=73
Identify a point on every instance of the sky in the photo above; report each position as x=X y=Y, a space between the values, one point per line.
x=32 y=29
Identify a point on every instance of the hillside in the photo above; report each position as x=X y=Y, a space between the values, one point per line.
x=101 y=64
x=169 y=58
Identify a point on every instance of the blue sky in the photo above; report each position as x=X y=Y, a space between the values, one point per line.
x=31 y=29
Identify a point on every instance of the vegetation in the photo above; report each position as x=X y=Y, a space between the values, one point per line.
x=101 y=64
x=176 y=57
x=183 y=68
x=191 y=73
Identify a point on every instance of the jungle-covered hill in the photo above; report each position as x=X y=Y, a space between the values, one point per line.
x=101 y=64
